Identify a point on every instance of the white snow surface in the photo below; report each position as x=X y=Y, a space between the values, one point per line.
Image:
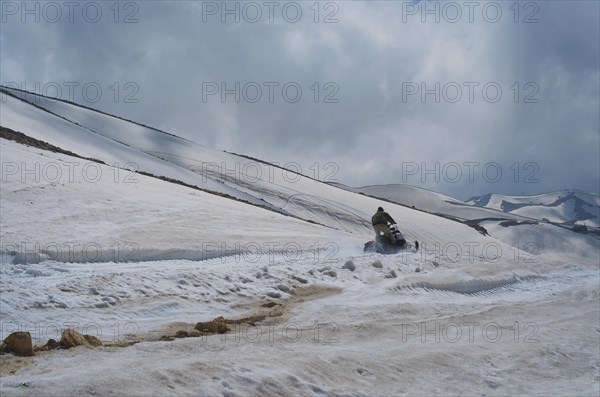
x=355 y=334
x=132 y=258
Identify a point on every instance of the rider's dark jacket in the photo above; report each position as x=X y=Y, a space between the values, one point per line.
x=382 y=218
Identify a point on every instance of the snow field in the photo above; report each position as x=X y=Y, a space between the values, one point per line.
x=130 y=258
x=358 y=333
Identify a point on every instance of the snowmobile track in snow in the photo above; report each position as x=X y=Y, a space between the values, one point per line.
x=476 y=287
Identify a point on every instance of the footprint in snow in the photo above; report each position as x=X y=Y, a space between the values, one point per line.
x=363 y=372
x=316 y=389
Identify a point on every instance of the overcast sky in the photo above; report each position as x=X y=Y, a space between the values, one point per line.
x=511 y=102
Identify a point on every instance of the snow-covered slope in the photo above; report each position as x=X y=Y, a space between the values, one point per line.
x=506 y=324
x=107 y=138
x=458 y=329
x=565 y=206
x=31 y=119
x=126 y=216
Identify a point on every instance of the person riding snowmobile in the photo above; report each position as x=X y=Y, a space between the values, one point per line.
x=380 y=222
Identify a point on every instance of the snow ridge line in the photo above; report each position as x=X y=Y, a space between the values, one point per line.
x=134 y=254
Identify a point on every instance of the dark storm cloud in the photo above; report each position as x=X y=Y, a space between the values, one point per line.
x=376 y=51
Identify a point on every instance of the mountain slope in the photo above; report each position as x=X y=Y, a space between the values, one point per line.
x=113 y=140
x=147 y=218
x=32 y=119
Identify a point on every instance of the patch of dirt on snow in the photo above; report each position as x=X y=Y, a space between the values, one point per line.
x=270 y=310
x=312 y=292
x=10 y=364
x=306 y=294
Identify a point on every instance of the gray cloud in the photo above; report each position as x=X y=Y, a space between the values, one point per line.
x=374 y=133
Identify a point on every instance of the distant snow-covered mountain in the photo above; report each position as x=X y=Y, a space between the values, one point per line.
x=571 y=207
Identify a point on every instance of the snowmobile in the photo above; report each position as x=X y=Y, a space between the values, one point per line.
x=382 y=244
